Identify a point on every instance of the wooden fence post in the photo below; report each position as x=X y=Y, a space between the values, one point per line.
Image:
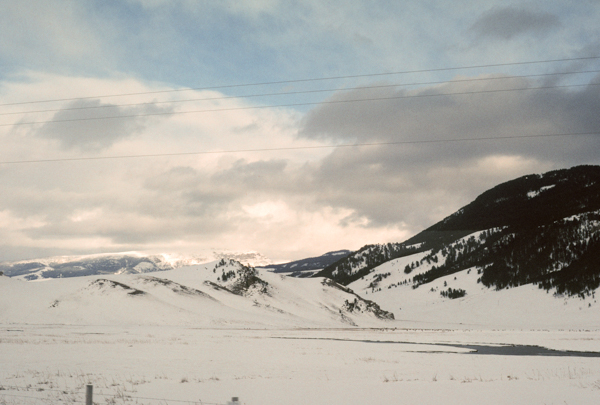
x=89 y=392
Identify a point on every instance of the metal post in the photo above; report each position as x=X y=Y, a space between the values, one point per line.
x=89 y=391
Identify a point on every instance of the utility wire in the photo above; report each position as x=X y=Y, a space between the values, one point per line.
x=171 y=113
x=312 y=79
x=353 y=145
x=39 y=398
x=34 y=389
x=31 y=388
x=165 y=399
x=300 y=92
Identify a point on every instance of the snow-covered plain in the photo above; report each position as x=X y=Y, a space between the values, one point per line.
x=181 y=340
x=289 y=366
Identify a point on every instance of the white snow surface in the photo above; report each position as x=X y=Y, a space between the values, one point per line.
x=190 y=341
x=519 y=307
x=535 y=193
x=177 y=297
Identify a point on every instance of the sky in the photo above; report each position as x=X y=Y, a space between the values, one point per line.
x=290 y=128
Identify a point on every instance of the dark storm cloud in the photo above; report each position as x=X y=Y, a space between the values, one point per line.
x=456 y=110
x=508 y=22
x=418 y=182
x=89 y=125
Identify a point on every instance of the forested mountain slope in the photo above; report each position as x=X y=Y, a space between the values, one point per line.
x=525 y=202
x=361 y=262
x=541 y=229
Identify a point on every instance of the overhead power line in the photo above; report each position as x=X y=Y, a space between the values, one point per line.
x=289 y=93
x=165 y=400
x=380 y=74
x=70 y=400
x=170 y=113
x=353 y=145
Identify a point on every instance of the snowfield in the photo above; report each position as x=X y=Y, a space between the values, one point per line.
x=207 y=333
x=523 y=307
x=166 y=364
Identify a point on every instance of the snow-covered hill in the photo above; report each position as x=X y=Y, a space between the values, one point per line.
x=220 y=294
x=460 y=298
x=225 y=294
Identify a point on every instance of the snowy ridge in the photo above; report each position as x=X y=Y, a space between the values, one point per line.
x=217 y=294
x=309 y=266
x=362 y=261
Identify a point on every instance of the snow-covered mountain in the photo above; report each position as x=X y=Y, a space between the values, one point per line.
x=117 y=263
x=542 y=230
x=224 y=293
x=461 y=299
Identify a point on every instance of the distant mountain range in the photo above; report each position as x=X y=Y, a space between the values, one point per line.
x=136 y=262
x=116 y=263
x=539 y=229
x=307 y=267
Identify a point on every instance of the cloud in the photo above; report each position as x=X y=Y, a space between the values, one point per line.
x=474 y=108
x=245 y=205
x=90 y=125
x=180 y=203
x=417 y=182
x=290 y=202
x=260 y=176
x=505 y=23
